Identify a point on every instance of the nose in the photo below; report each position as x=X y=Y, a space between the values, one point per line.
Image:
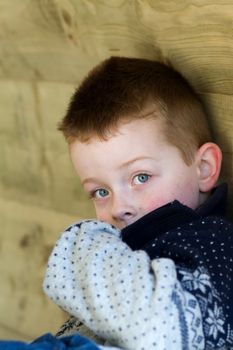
x=123 y=210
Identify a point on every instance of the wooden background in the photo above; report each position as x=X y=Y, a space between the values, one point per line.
x=46 y=48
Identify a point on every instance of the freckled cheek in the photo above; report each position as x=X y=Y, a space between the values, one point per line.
x=188 y=194
x=151 y=203
x=99 y=213
x=103 y=214
x=189 y=197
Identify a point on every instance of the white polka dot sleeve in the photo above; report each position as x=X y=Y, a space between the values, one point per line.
x=120 y=294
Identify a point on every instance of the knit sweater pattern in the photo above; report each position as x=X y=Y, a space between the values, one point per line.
x=163 y=282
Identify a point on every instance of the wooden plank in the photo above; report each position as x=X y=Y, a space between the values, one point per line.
x=64 y=41
x=41 y=172
x=27 y=236
x=220 y=110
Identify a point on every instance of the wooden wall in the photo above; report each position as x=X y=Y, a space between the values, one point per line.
x=46 y=48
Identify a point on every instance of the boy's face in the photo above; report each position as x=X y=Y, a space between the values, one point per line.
x=134 y=172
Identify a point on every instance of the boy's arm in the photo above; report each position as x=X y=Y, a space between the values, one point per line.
x=120 y=294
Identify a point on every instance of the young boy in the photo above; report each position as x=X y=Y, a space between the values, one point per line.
x=154 y=271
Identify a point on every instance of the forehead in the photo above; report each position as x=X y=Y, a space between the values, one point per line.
x=133 y=126
x=141 y=129
x=135 y=139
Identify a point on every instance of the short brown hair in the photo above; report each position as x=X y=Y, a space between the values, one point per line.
x=121 y=88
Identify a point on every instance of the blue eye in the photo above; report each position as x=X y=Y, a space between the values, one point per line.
x=100 y=193
x=141 y=178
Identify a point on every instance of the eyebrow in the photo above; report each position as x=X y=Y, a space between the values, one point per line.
x=124 y=165
x=89 y=179
x=131 y=161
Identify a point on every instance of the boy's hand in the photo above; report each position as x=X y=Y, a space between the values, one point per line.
x=120 y=294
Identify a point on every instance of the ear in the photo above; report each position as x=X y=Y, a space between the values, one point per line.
x=209 y=160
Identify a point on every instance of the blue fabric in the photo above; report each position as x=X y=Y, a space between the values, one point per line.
x=49 y=342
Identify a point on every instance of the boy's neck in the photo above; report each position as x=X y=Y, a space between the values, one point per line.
x=203 y=196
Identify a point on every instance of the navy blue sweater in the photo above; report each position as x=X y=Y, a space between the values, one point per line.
x=200 y=243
